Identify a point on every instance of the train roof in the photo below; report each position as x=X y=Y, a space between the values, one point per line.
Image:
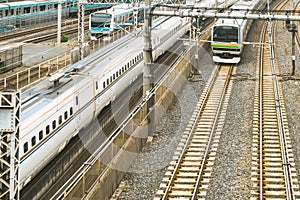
x=20 y=4
x=44 y=93
x=118 y=9
x=3 y=6
x=239 y=7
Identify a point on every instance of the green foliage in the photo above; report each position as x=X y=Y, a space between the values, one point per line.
x=64 y=38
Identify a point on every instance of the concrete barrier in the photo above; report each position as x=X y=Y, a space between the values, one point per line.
x=104 y=176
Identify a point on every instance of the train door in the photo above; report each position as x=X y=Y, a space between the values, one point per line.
x=77 y=111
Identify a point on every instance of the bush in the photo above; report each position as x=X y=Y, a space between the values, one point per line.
x=64 y=38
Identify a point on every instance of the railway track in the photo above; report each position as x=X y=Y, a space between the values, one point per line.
x=189 y=172
x=168 y=59
x=50 y=36
x=108 y=125
x=24 y=78
x=18 y=35
x=273 y=168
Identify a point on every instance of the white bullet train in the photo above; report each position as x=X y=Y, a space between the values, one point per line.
x=54 y=110
x=228 y=35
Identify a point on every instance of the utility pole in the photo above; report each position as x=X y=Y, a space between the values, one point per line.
x=80 y=10
x=59 y=22
x=10 y=118
x=294 y=30
x=147 y=78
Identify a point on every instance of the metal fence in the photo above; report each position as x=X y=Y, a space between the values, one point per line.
x=30 y=20
x=37 y=72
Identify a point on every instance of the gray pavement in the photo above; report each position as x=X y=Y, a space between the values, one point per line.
x=36 y=53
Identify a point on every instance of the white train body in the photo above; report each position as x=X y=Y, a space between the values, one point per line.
x=228 y=35
x=52 y=115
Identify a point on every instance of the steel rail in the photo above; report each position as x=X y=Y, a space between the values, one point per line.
x=193 y=128
x=207 y=92
x=138 y=107
x=261 y=189
x=194 y=196
x=281 y=130
x=96 y=155
x=290 y=195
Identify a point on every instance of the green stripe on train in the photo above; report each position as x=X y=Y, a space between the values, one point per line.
x=228 y=46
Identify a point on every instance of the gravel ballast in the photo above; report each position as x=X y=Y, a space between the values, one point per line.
x=231 y=178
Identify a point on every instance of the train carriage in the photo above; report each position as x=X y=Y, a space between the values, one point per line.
x=106 y=21
x=228 y=35
x=29 y=13
x=53 y=114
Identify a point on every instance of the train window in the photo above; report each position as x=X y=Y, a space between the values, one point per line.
x=26 y=10
x=103 y=84
x=76 y=99
x=110 y=79
x=71 y=111
x=107 y=82
x=25 y=147
x=43 y=8
x=33 y=141
x=123 y=69
x=54 y=124
x=40 y=135
x=120 y=71
x=96 y=85
x=60 y=119
x=66 y=115
x=47 y=130
x=117 y=74
x=114 y=76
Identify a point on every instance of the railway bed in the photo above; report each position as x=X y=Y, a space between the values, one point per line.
x=18 y=35
x=231 y=178
x=273 y=171
x=246 y=84
x=189 y=173
x=107 y=122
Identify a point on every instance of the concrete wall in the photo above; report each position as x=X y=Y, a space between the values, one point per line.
x=110 y=168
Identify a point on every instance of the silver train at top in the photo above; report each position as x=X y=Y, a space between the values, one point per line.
x=117 y=17
x=228 y=35
x=56 y=109
x=20 y=14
